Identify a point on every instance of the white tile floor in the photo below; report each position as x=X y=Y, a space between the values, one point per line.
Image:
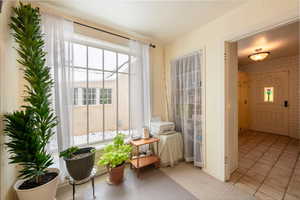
x=269 y=166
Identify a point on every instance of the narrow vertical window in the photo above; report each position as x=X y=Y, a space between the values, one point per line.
x=269 y=94
x=75 y=96
x=92 y=96
x=84 y=96
x=108 y=100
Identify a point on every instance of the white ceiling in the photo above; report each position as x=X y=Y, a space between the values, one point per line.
x=160 y=20
x=280 y=42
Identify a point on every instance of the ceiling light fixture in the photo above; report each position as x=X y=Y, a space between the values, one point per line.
x=259 y=55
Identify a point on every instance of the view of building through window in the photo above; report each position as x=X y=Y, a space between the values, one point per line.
x=101 y=94
x=96 y=96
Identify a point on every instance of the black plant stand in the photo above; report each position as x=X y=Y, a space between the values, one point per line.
x=90 y=178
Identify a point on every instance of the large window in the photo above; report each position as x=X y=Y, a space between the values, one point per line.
x=101 y=93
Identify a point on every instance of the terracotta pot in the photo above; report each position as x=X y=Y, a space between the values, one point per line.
x=115 y=175
x=45 y=192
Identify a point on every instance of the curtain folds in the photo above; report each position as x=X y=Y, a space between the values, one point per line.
x=186 y=104
x=139 y=88
x=58 y=34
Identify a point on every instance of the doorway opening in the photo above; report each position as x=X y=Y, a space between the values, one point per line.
x=263 y=113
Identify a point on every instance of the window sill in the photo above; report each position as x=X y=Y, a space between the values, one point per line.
x=101 y=144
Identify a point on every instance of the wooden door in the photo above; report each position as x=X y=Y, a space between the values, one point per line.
x=269 y=102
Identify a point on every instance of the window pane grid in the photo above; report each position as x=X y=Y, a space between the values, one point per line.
x=99 y=95
x=92 y=96
x=125 y=65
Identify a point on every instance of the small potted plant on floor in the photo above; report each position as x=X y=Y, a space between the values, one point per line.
x=29 y=130
x=114 y=157
x=79 y=161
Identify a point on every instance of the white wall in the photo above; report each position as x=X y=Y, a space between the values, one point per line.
x=290 y=63
x=157 y=82
x=9 y=97
x=249 y=18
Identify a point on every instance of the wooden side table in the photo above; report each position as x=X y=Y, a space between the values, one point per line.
x=90 y=178
x=140 y=162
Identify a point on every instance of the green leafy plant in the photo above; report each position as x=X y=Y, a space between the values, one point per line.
x=30 y=129
x=115 y=154
x=69 y=152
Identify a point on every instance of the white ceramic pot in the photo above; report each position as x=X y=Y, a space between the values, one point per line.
x=44 y=192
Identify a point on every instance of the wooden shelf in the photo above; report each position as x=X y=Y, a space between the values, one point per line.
x=144 y=141
x=144 y=161
x=140 y=162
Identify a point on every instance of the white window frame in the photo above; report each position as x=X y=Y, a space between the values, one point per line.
x=103 y=48
x=91 y=97
x=108 y=96
x=76 y=97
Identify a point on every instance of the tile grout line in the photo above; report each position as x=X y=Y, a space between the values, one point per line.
x=272 y=167
x=260 y=142
x=291 y=176
x=263 y=139
x=244 y=174
x=256 y=161
x=251 y=134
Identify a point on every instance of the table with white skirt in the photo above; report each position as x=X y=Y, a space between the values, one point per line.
x=170 y=149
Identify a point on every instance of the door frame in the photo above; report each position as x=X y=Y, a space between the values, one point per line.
x=228 y=144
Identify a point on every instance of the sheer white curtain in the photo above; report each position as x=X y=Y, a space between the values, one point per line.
x=186 y=103
x=58 y=34
x=139 y=87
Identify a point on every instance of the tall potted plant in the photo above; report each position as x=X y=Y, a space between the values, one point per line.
x=114 y=157
x=30 y=129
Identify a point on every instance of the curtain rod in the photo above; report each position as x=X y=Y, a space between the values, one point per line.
x=108 y=32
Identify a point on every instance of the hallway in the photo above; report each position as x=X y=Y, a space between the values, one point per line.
x=269 y=166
